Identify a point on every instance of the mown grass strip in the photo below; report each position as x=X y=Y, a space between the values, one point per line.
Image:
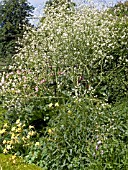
x=7 y=163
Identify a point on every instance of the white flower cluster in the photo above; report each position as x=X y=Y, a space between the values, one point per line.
x=76 y=43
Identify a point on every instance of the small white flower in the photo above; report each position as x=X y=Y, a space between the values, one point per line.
x=8 y=147
x=2 y=80
x=99 y=142
x=57 y=104
x=50 y=105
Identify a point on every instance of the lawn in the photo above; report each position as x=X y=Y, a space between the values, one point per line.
x=8 y=163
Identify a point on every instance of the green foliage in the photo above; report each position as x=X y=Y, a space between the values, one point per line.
x=56 y=3
x=120 y=9
x=66 y=5
x=14 y=15
x=2 y=111
x=115 y=68
x=86 y=134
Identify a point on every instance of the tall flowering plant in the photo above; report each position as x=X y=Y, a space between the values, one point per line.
x=81 y=53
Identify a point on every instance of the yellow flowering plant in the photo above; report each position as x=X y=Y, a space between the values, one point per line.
x=16 y=138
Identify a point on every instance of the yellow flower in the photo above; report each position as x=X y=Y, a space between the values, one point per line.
x=16 y=139
x=57 y=104
x=13 y=129
x=18 y=129
x=4 y=141
x=37 y=144
x=28 y=137
x=19 y=125
x=13 y=157
x=11 y=142
x=8 y=147
x=31 y=127
x=5 y=125
x=2 y=131
x=31 y=133
x=23 y=138
x=8 y=142
x=23 y=125
x=69 y=112
x=13 y=136
x=18 y=121
x=50 y=105
x=49 y=131
x=5 y=151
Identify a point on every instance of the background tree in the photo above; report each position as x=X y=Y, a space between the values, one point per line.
x=120 y=9
x=14 y=15
x=55 y=4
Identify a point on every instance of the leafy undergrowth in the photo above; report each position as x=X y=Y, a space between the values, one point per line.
x=84 y=136
x=7 y=163
x=2 y=111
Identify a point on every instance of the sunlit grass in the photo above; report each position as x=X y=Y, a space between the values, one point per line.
x=6 y=163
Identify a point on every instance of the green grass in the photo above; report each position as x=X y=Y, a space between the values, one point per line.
x=7 y=164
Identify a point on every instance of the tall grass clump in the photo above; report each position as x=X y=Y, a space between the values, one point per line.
x=63 y=84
